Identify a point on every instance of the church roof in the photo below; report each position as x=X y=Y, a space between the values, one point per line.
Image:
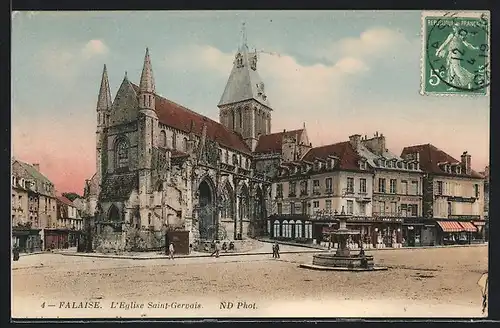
x=271 y=143
x=181 y=118
x=431 y=156
x=244 y=82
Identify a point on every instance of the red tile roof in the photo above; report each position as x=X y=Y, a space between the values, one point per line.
x=343 y=150
x=64 y=200
x=430 y=156
x=271 y=143
x=181 y=118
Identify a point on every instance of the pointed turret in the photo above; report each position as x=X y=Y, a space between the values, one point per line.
x=147 y=84
x=104 y=100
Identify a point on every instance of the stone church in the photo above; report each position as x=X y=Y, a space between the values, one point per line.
x=161 y=166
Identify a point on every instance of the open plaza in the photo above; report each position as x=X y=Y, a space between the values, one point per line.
x=420 y=282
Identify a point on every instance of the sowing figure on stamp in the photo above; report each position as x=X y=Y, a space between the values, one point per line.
x=454 y=49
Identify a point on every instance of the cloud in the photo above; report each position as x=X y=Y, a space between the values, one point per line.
x=66 y=62
x=93 y=48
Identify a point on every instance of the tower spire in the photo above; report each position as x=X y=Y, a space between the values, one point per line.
x=104 y=98
x=243 y=36
x=147 y=84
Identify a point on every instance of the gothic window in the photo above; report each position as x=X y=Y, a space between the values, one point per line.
x=235 y=160
x=227 y=157
x=163 y=138
x=233 y=123
x=185 y=144
x=174 y=140
x=122 y=154
x=240 y=118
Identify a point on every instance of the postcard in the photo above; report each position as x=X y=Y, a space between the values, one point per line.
x=257 y=164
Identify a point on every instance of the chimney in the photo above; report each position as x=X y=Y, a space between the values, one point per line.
x=466 y=162
x=36 y=166
x=355 y=140
x=284 y=130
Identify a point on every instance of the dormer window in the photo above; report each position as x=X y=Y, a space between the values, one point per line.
x=331 y=163
x=389 y=164
x=235 y=160
x=400 y=165
x=458 y=169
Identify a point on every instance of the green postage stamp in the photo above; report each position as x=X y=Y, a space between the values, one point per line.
x=455 y=53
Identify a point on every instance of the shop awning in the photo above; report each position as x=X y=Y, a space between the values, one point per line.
x=469 y=227
x=450 y=226
x=479 y=223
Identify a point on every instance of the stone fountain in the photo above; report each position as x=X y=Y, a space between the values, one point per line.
x=343 y=259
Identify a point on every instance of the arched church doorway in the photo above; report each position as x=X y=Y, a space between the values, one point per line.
x=206 y=212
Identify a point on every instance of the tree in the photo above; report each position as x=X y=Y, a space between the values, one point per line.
x=71 y=195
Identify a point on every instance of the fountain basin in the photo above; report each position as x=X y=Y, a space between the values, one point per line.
x=334 y=262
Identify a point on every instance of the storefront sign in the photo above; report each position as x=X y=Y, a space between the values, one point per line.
x=410 y=199
x=462 y=199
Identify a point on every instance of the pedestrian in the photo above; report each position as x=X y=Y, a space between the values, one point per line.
x=277 y=249
x=216 y=249
x=274 y=251
x=171 y=251
x=15 y=253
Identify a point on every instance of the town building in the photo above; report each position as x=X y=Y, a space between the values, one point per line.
x=453 y=194
x=33 y=205
x=68 y=226
x=486 y=174
x=397 y=194
x=359 y=178
x=309 y=190
x=163 y=167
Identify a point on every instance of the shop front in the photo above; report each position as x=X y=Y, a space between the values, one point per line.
x=56 y=238
x=418 y=232
x=452 y=233
x=481 y=235
x=298 y=228
x=26 y=239
x=386 y=232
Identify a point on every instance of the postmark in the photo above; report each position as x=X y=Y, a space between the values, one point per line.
x=455 y=53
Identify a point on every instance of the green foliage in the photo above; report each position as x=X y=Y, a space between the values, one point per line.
x=71 y=195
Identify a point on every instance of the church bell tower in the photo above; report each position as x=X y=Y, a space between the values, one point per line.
x=244 y=106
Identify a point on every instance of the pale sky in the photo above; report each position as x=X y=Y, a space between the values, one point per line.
x=340 y=72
